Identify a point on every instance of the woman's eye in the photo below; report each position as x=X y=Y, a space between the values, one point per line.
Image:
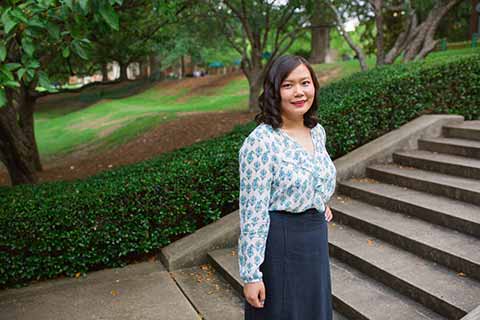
x=305 y=83
x=288 y=85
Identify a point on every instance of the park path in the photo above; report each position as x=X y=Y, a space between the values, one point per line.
x=143 y=291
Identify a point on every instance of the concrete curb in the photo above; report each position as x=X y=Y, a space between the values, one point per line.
x=193 y=249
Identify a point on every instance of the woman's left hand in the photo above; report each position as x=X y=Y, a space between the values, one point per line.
x=328 y=214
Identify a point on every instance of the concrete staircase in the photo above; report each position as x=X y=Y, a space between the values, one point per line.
x=405 y=240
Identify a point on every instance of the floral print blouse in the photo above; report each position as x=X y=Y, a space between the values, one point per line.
x=277 y=173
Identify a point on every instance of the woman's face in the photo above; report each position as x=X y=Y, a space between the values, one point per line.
x=297 y=92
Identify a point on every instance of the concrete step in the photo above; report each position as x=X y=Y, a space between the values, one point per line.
x=439 y=162
x=353 y=292
x=467 y=130
x=458 y=188
x=226 y=263
x=361 y=297
x=455 y=250
x=426 y=282
x=460 y=147
x=210 y=294
x=457 y=215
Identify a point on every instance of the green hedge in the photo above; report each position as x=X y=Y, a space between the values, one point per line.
x=367 y=105
x=107 y=220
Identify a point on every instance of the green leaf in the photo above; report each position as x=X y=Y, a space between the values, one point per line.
x=84 y=5
x=37 y=23
x=12 y=84
x=53 y=30
x=19 y=15
x=45 y=82
x=20 y=73
x=7 y=73
x=27 y=45
x=3 y=99
x=30 y=74
x=109 y=15
x=66 y=52
x=12 y=66
x=78 y=48
x=3 y=51
x=33 y=64
x=8 y=23
x=69 y=4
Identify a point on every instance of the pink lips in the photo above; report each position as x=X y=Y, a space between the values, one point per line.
x=299 y=103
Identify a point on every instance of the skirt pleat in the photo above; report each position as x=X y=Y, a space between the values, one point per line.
x=296 y=269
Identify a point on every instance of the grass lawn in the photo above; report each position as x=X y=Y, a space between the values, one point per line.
x=112 y=122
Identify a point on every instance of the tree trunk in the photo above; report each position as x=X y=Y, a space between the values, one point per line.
x=423 y=43
x=416 y=41
x=15 y=148
x=255 y=87
x=321 y=23
x=255 y=73
x=182 y=66
x=23 y=104
x=105 y=72
x=25 y=107
x=320 y=44
x=154 y=67
x=474 y=27
x=378 y=4
x=144 y=69
x=123 y=71
x=403 y=39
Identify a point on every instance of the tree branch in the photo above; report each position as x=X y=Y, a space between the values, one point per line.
x=243 y=19
x=346 y=36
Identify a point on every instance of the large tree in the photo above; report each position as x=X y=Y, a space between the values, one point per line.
x=260 y=30
x=419 y=21
x=41 y=41
x=417 y=39
x=35 y=37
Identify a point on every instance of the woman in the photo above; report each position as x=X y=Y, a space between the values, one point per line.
x=286 y=179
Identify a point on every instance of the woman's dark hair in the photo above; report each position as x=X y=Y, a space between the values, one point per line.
x=270 y=99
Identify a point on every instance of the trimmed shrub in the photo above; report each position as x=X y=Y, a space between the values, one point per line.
x=367 y=105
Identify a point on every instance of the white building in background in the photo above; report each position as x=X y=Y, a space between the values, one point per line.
x=133 y=72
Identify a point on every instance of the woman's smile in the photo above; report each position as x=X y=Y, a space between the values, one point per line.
x=299 y=104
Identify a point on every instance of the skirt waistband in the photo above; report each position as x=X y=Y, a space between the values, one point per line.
x=308 y=211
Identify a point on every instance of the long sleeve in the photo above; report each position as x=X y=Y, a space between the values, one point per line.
x=255 y=186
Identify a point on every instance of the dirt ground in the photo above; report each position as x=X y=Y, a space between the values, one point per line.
x=183 y=131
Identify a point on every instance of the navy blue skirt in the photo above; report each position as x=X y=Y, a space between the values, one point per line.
x=296 y=269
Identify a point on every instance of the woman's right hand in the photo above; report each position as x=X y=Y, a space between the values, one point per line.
x=255 y=293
